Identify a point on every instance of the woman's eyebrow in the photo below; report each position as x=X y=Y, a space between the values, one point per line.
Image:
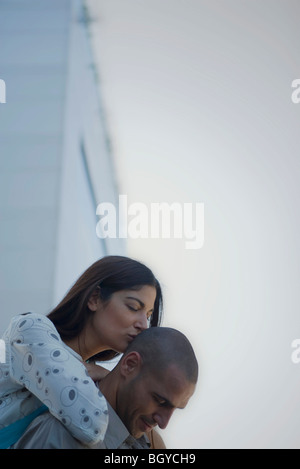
x=139 y=301
x=136 y=299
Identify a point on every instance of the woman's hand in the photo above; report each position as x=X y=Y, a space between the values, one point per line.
x=96 y=372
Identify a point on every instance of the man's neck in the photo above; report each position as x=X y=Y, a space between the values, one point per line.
x=108 y=387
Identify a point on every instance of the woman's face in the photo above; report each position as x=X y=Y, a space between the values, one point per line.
x=115 y=324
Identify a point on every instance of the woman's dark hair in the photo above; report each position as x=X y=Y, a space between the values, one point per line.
x=111 y=274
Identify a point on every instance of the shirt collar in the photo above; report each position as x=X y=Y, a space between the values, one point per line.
x=117 y=433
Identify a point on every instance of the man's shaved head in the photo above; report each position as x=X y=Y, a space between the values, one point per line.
x=160 y=347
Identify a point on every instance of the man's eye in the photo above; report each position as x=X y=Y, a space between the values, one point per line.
x=160 y=401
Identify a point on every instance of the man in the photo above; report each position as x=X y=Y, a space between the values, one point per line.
x=156 y=375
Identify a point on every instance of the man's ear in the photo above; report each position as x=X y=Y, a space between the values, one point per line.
x=130 y=364
x=93 y=301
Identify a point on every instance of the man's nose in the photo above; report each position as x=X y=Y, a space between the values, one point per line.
x=162 y=417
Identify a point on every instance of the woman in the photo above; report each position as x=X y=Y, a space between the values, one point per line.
x=113 y=301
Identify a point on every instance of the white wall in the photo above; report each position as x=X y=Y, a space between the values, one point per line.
x=47 y=212
x=34 y=48
x=87 y=166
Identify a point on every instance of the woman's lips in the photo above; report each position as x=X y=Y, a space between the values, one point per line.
x=131 y=337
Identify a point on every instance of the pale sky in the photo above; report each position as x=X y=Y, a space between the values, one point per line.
x=197 y=98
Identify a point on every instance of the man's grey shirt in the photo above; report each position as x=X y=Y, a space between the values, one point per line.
x=46 y=432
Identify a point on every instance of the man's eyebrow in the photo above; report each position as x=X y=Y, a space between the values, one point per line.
x=139 y=301
x=167 y=403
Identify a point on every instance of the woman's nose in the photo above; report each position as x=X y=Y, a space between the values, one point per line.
x=142 y=321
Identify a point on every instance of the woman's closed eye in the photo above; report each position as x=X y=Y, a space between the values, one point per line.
x=136 y=309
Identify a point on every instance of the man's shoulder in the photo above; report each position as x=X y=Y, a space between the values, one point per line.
x=156 y=441
x=47 y=432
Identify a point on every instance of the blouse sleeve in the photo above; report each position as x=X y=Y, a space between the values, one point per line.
x=42 y=363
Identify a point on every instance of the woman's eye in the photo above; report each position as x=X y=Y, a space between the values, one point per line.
x=132 y=308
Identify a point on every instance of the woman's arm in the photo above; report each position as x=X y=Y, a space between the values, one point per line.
x=42 y=363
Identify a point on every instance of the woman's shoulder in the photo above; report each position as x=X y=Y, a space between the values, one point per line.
x=29 y=322
x=30 y=317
